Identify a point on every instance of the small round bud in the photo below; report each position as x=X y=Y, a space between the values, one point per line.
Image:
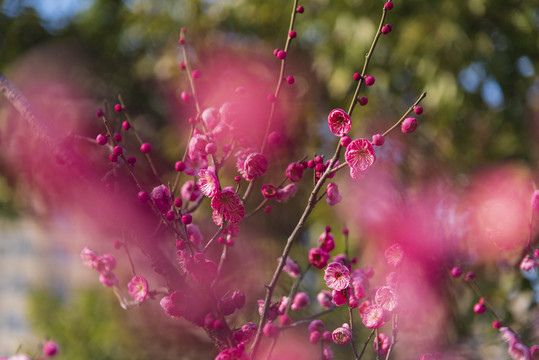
x=319 y=167
x=369 y=80
x=113 y=158
x=117 y=137
x=181 y=41
x=221 y=240
x=389 y=27
x=290 y=80
x=239 y=298
x=274 y=138
x=182 y=65
x=357 y=76
x=409 y=125
x=314 y=337
x=326 y=337
x=285 y=320
x=496 y=324
x=536 y=253
x=281 y=55
x=219 y=324
x=211 y=148
x=118 y=107
x=170 y=215
x=311 y=163
x=237 y=179
x=50 y=348
x=363 y=100
x=385 y=30
x=184 y=96
x=456 y=271
x=470 y=276
x=117 y=244
x=270 y=98
x=319 y=159
x=101 y=139
x=418 y=110
x=146 y=148
x=270 y=330
x=187 y=219
x=126 y=125
x=300 y=9
x=268 y=209
x=292 y=34
x=230 y=242
x=178 y=202
x=345 y=140
x=388 y=5
x=378 y=140
x=179 y=166
x=99 y=113
x=345 y=231
x=275 y=51
x=479 y=308
x=117 y=150
x=143 y=196
x=226 y=306
x=195 y=74
x=132 y=160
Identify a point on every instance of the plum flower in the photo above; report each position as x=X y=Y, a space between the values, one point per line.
x=394 y=255
x=372 y=316
x=286 y=193
x=383 y=341
x=208 y=182
x=339 y=122
x=294 y=172
x=161 y=198
x=190 y=191
x=108 y=278
x=228 y=204
x=138 y=288
x=334 y=196
x=318 y=257
x=386 y=298
x=255 y=165
x=50 y=348
x=301 y=300
x=337 y=276
x=324 y=299
x=359 y=156
x=232 y=354
x=291 y=267
x=341 y=335
x=89 y=257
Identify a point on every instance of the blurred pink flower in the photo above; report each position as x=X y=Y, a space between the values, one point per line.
x=394 y=255
x=372 y=316
x=386 y=298
x=334 y=196
x=138 y=288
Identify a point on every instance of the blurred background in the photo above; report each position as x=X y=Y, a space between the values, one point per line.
x=477 y=60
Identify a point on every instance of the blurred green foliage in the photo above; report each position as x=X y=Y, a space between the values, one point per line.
x=90 y=324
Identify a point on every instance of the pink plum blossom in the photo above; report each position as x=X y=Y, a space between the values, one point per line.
x=324 y=298
x=337 y=276
x=339 y=122
x=228 y=204
x=161 y=198
x=294 y=172
x=394 y=255
x=255 y=165
x=334 y=196
x=286 y=193
x=138 y=288
x=386 y=298
x=291 y=267
x=208 y=182
x=372 y=316
x=89 y=257
x=341 y=335
x=301 y=300
x=382 y=344
x=108 y=278
x=359 y=156
x=318 y=257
